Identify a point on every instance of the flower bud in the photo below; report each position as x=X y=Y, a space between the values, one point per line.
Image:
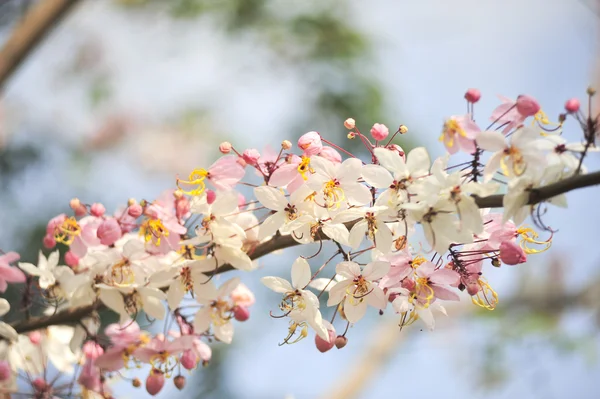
x=35 y=337
x=251 y=156
x=135 y=210
x=179 y=382
x=527 y=105
x=473 y=288
x=331 y=154
x=349 y=123
x=322 y=345
x=71 y=259
x=286 y=144
x=39 y=384
x=340 y=341
x=511 y=253
x=403 y=129
x=155 y=382
x=210 y=196
x=572 y=105
x=5 y=371
x=242 y=296
x=97 y=210
x=379 y=131
x=136 y=382
x=49 y=241
x=590 y=91
x=225 y=147
x=351 y=136
x=109 y=231
x=241 y=313
x=472 y=95
x=189 y=359
x=310 y=143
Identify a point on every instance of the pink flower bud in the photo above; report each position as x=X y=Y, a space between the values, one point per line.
x=511 y=253
x=71 y=259
x=379 y=131
x=473 y=288
x=322 y=345
x=286 y=144
x=251 y=156
x=572 y=105
x=349 y=123
x=330 y=154
x=182 y=207
x=97 y=210
x=241 y=313
x=310 y=143
x=210 y=196
x=527 y=105
x=155 y=382
x=49 y=241
x=472 y=95
x=340 y=341
x=39 y=384
x=189 y=359
x=109 y=231
x=135 y=210
x=92 y=350
x=35 y=337
x=179 y=382
x=78 y=207
x=225 y=147
x=5 y=371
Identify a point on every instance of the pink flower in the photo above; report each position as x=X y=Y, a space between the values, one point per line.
x=9 y=274
x=431 y=282
x=71 y=259
x=527 y=105
x=513 y=113
x=291 y=174
x=163 y=347
x=122 y=336
x=267 y=161
x=330 y=154
x=399 y=270
x=251 y=156
x=310 y=143
x=459 y=133
x=511 y=253
x=109 y=231
x=135 y=210
x=225 y=173
x=379 y=131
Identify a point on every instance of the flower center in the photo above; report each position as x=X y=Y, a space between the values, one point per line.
x=121 y=273
x=196 y=178
x=154 y=229
x=304 y=167
x=334 y=194
x=67 y=231
x=221 y=312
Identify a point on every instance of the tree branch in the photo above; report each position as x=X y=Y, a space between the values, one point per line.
x=278 y=242
x=34 y=26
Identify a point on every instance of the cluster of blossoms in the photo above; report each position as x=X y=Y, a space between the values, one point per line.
x=408 y=233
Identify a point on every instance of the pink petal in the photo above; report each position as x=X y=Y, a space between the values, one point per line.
x=444 y=276
x=9 y=257
x=12 y=274
x=444 y=293
x=284 y=175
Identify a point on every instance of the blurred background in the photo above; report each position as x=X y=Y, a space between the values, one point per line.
x=124 y=95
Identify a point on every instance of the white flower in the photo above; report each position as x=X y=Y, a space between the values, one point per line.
x=129 y=300
x=358 y=289
x=338 y=182
x=44 y=270
x=299 y=304
x=371 y=223
x=286 y=211
x=216 y=309
x=6 y=330
x=525 y=152
x=411 y=310
x=308 y=231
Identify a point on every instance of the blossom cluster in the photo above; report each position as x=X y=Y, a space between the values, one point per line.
x=405 y=233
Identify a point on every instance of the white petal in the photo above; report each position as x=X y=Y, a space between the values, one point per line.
x=322 y=284
x=236 y=257
x=4 y=307
x=349 y=170
x=376 y=298
x=271 y=225
x=376 y=270
x=418 y=162
x=277 y=284
x=383 y=238
x=427 y=317
x=377 y=176
x=390 y=160
x=300 y=273
x=175 y=294
x=355 y=312
x=30 y=269
x=113 y=300
x=226 y=202
x=202 y=320
x=224 y=333
x=357 y=233
x=348 y=269
x=491 y=140
x=337 y=232
x=227 y=287
x=6 y=331
x=270 y=197
x=337 y=292
x=357 y=194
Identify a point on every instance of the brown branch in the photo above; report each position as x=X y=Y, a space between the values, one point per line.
x=281 y=242
x=34 y=26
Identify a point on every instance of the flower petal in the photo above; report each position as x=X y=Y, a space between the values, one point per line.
x=300 y=273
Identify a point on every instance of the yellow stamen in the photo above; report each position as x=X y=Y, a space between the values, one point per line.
x=541 y=118
x=196 y=178
x=417 y=261
x=164 y=362
x=514 y=156
x=292 y=331
x=121 y=273
x=529 y=236
x=334 y=195
x=153 y=229
x=304 y=167
x=424 y=290
x=487 y=298
x=67 y=231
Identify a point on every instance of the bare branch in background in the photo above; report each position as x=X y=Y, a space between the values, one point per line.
x=32 y=29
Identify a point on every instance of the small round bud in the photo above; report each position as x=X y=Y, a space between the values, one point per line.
x=351 y=136
x=109 y=231
x=379 y=131
x=310 y=143
x=179 y=382
x=5 y=371
x=131 y=201
x=35 y=337
x=78 y=208
x=241 y=313
x=251 y=156
x=135 y=210
x=136 y=382
x=210 y=196
x=49 y=241
x=39 y=384
x=340 y=341
x=178 y=194
x=527 y=105
x=155 y=382
x=322 y=345
x=472 y=95
x=572 y=105
x=286 y=144
x=349 y=123
x=562 y=118
x=591 y=91
x=225 y=147
x=97 y=210
x=511 y=253
x=496 y=262
x=403 y=129
x=473 y=289
x=189 y=359
x=75 y=203
x=71 y=259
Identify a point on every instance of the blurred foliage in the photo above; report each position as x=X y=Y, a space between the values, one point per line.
x=14 y=160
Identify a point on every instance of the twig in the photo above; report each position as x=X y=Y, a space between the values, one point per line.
x=34 y=26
